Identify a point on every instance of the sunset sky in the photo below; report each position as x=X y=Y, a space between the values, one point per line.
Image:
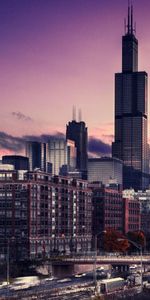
x=58 y=53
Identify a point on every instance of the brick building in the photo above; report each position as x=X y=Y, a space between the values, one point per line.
x=43 y=214
x=132 y=215
x=107 y=208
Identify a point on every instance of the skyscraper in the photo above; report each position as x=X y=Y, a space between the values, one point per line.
x=36 y=152
x=62 y=155
x=131 y=113
x=77 y=132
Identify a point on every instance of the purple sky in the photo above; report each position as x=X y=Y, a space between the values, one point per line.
x=58 y=53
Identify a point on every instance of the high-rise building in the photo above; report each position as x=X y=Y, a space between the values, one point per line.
x=62 y=155
x=77 y=132
x=131 y=144
x=36 y=152
x=105 y=169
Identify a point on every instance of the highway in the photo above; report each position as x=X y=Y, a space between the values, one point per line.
x=122 y=260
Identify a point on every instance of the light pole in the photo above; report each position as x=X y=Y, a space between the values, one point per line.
x=8 y=268
x=139 y=247
x=95 y=258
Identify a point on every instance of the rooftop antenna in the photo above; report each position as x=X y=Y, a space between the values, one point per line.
x=131 y=19
x=74 y=113
x=128 y=17
x=125 y=25
x=80 y=115
x=135 y=27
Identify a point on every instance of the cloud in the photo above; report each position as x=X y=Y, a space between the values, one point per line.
x=20 y=116
x=98 y=147
x=9 y=142
x=17 y=144
x=43 y=137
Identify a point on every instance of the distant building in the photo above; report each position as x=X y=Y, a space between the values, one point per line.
x=36 y=152
x=105 y=169
x=77 y=132
x=6 y=167
x=19 y=162
x=43 y=214
x=62 y=155
x=131 y=114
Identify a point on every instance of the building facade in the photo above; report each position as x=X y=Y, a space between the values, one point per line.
x=107 y=209
x=43 y=214
x=62 y=155
x=132 y=213
x=144 y=199
x=14 y=215
x=77 y=132
x=105 y=169
x=131 y=113
x=36 y=152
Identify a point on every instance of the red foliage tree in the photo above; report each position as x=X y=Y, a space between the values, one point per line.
x=138 y=237
x=115 y=241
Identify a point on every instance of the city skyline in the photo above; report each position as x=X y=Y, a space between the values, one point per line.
x=61 y=50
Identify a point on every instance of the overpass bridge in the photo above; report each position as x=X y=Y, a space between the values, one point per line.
x=101 y=259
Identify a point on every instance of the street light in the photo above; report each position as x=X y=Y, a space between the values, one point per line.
x=9 y=240
x=7 y=260
x=95 y=258
x=139 y=247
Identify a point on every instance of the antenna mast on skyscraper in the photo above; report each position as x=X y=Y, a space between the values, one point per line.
x=80 y=115
x=74 y=113
x=129 y=26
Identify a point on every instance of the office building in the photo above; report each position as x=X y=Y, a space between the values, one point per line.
x=19 y=162
x=77 y=132
x=131 y=113
x=105 y=169
x=62 y=155
x=36 y=152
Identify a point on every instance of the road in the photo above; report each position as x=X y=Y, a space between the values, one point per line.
x=81 y=284
x=122 y=260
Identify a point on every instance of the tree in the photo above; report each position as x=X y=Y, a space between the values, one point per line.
x=113 y=242
x=138 y=237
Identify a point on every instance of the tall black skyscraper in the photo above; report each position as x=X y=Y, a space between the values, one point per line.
x=77 y=132
x=131 y=113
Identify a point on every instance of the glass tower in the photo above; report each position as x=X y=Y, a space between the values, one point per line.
x=77 y=132
x=62 y=154
x=131 y=113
